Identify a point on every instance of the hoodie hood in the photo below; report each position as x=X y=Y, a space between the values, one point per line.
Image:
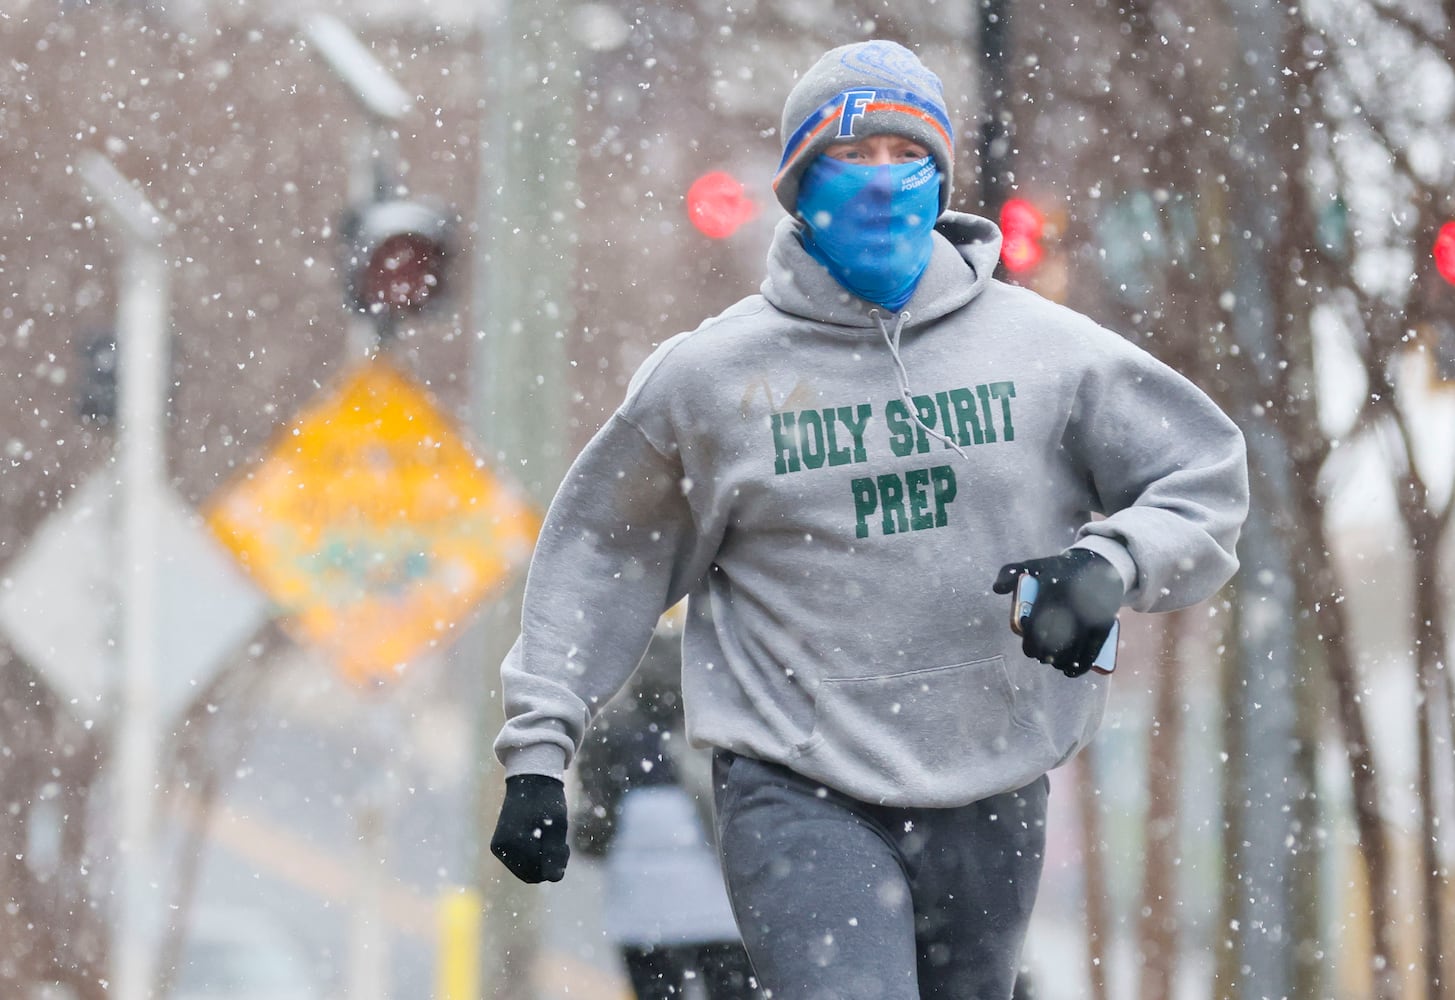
x=966 y=250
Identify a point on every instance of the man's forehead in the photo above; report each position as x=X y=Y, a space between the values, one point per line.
x=880 y=136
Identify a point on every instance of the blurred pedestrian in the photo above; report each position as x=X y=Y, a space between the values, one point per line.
x=639 y=790
x=847 y=472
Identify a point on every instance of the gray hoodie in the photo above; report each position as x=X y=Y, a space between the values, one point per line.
x=835 y=489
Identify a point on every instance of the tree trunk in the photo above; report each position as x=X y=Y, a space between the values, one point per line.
x=1225 y=946
x=1098 y=919
x=1429 y=661
x=1319 y=590
x=1157 y=929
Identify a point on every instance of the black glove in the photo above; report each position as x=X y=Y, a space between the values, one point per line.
x=1080 y=595
x=530 y=836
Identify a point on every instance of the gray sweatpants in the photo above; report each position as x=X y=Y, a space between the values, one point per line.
x=841 y=900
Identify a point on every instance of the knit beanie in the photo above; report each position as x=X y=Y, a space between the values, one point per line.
x=868 y=88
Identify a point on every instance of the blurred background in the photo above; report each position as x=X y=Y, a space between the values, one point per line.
x=305 y=307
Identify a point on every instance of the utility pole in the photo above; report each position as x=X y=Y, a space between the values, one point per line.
x=996 y=169
x=524 y=269
x=141 y=339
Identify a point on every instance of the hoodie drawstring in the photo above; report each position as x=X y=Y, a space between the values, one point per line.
x=891 y=340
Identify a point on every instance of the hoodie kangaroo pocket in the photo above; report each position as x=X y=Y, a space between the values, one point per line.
x=936 y=735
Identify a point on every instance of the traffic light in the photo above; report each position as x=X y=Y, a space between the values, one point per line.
x=1029 y=250
x=1022 y=227
x=717 y=205
x=397 y=257
x=1432 y=311
x=1444 y=252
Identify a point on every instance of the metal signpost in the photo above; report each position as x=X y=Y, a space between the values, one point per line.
x=141 y=332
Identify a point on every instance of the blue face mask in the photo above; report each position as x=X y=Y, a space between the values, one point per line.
x=871 y=226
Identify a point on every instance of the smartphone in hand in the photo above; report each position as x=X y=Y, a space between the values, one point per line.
x=1026 y=589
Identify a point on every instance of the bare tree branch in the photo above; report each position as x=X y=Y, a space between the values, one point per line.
x=1442 y=42
x=1374 y=119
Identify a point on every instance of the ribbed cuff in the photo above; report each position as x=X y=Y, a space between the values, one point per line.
x=1115 y=553
x=541 y=758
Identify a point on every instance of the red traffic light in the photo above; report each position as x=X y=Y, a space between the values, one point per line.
x=1021 y=227
x=1445 y=252
x=717 y=205
x=398 y=257
x=403 y=272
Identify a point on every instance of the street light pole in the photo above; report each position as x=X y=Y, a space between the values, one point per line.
x=141 y=332
x=375 y=805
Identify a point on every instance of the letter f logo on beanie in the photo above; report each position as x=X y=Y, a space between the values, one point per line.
x=868 y=88
x=855 y=101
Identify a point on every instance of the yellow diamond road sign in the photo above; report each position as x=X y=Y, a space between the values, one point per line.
x=372 y=526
